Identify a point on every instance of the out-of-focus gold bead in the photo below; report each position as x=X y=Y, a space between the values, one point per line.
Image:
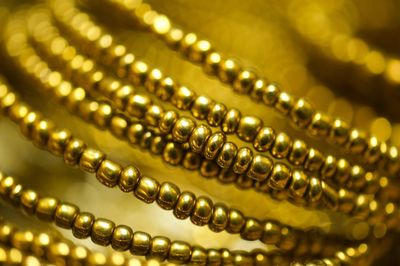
x=392 y=164
x=361 y=208
x=302 y=113
x=252 y=229
x=168 y=196
x=157 y=145
x=229 y=70
x=244 y=182
x=91 y=160
x=231 y=121
x=97 y=258
x=22 y=240
x=201 y=107
x=242 y=258
x=15 y=194
x=315 y=189
x=236 y=221
x=79 y=255
x=213 y=145
x=346 y=200
x=29 y=200
x=191 y=161
x=124 y=65
x=280 y=176
x=314 y=160
x=122 y=238
x=87 y=109
x=129 y=178
x=282 y=145
x=159 y=248
x=212 y=63
x=173 y=153
x=138 y=72
x=185 y=204
x=173 y=37
x=373 y=152
x=299 y=184
x=320 y=124
x=121 y=97
x=187 y=42
x=83 y=225
x=65 y=215
x=6 y=231
x=209 y=168
x=264 y=139
x=200 y=50
x=227 y=155
x=298 y=153
x=102 y=231
x=135 y=133
x=183 y=129
x=167 y=88
x=248 y=128
x=138 y=105
x=46 y=207
x=357 y=142
x=167 y=121
x=243 y=160
x=109 y=173
x=147 y=189
x=260 y=168
x=140 y=243
x=198 y=257
x=342 y=171
x=179 y=252
x=102 y=116
x=227 y=257
x=261 y=258
x=328 y=169
x=8 y=101
x=357 y=177
x=199 y=137
x=219 y=218
x=244 y=81
x=7 y=184
x=339 y=131
x=284 y=103
x=74 y=151
x=216 y=114
x=18 y=112
x=183 y=98
x=271 y=233
x=119 y=126
x=153 y=80
x=41 y=132
x=329 y=196
x=28 y=122
x=288 y=240
x=58 y=141
x=154 y=114
x=202 y=211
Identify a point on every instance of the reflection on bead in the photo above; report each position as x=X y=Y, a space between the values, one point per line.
x=65 y=215
x=183 y=129
x=282 y=145
x=279 y=177
x=264 y=139
x=46 y=207
x=260 y=168
x=248 y=128
x=147 y=189
x=185 y=204
x=302 y=113
x=83 y=225
x=243 y=160
x=202 y=211
x=227 y=155
x=213 y=145
x=199 y=137
x=216 y=115
x=168 y=195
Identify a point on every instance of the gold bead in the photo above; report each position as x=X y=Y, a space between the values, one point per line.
x=27 y=124
x=392 y=165
x=314 y=190
x=179 y=252
x=357 y=177
x=173 y=153
x=280 y=176
x=264 y=139
x=183 y=98
x=202 y=211
x=138 y=105
x=153 y=80
x=260 y=168
x=252 y=229
x=329 y=196
x=129 y=178
x=102 y=231
x=122 y=96
x=199 y=51
x=185 y=204
x=102 y=116
x=41 y=133
x=320 y=124
x=302 y=113
x=242 y=258
x=83 y=225
x=153 y=115
x=122 y=238
x=373 y=152
x=157 y=145
x=243 y=159
x=108 y=173
x=168 y=195
x=228 y=70
x=361 y=208
x=213 y=145
x=138 y=72
x=339 y=131
x=236 y=221
x=299 y=183
x=231 y=121
x=124 y=64
x=214 y=257
x=58 y=141
x=212 y=63
x=298 y=153
x=219 y=218
x=8 y=101
x=187 y=42
x=191 y=161
x=135 y=133
x=73 y=151
x=29 y=200
x=357 y=142
x=271 y=233
x=328 y=169
x=248 y=128
x=244 y=182
x=46 y=208
x=288 y=240
x=91 y=160
x=167 y=121
x=227 y=155
x=343 y=171
x=6 y=231
x=346 y=200
x=7 y=184
x=75 y=99
x=284 y=103
x=244 y=81
x=199 y=137
x=314 y=160
x=87 y=109
x=182 y=129
x=282 y=146
x=198 y=257
x=201 y=107
x=216 y=115
x=227 y=257
x=22 y=240
x=119 y=126
x=79 y=255
x=159 y=248
x=15 y=195
x=18 y=112
x=140 y=243
x=147 y=189
x=167 y=88
x=65 y=215
x=173 y=37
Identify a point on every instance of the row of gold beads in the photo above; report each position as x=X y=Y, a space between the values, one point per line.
x=104 y=232
x=229 y=71
x=248 y=128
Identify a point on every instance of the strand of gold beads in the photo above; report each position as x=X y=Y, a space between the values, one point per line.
x=229 y=71
x=280 y=145
x=13 y=256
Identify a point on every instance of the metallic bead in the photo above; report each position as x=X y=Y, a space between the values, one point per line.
x=242 y=258
x=173 y=37
x=73 y=151
x=7 y=184
x=122 y=96
x=27 y=124
x=288 y=240
x=258 y=88
x=320 y=124
x=199 y=51
x=102 y=116
x=108 y=173
x=185 y=204
x=58 y=141
x=157 y=145
x=216 y=114
x=314 y=192
x=342 y=171
x=179 y=252
x=302 y=113
x=229 y=70
x=244 y=81
x=264 y=139
x=8 y=101
x=231 y=121
x=298 y=153
x=159 y=248
x=22 y=240
x=361 y=208
x=119 y=126
x=138 y=105
x=248 y=128
x=183 y=98
x=187 y=42
x=282 y=146
x=260 y=168
x=173 y=153
x=45 y=208
x=392 y=164
x=271 y=233
x=212 y=63
x=236 y=221
x=153 y=80
x=140 y=243
x=252 y=229
x=102 y=231
x=243 y=159
x=91 y=160
x=124 y=65
x=15 y=194
x=135 y=133
x=122 y=238
x=271 y=94
x=129 y=178
x=41 y=133
x=18 y=112
x=153 y=115
x=213 y=145
x=314 y=160
x=138 y=72
x=373 y=152
x=329 y=196
x=284 y=103
x=87 y=109
x=146 y=140
x=227 y=176
x=168 y=195
x=209 y=168
x=147 y=189
x=191 y=161
x=199 y=137
x=213 y=257
x=83 y=225
x=201 y=107
x=244 y=182
x=299 y=183
x=280 y=176
x=65 y=215
x=202 y=211
x=219 y=218
x=339 y=131
x=167 y=121
x=328 y=169
x=198 y=257
x=6 y=231
x=79 y=255
x=29 y=200
x=357 y=142
x=227 y=155
x=227 y=257
x=346 y=200
x=357 y=177
x=182 y=129
x=167 y=88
